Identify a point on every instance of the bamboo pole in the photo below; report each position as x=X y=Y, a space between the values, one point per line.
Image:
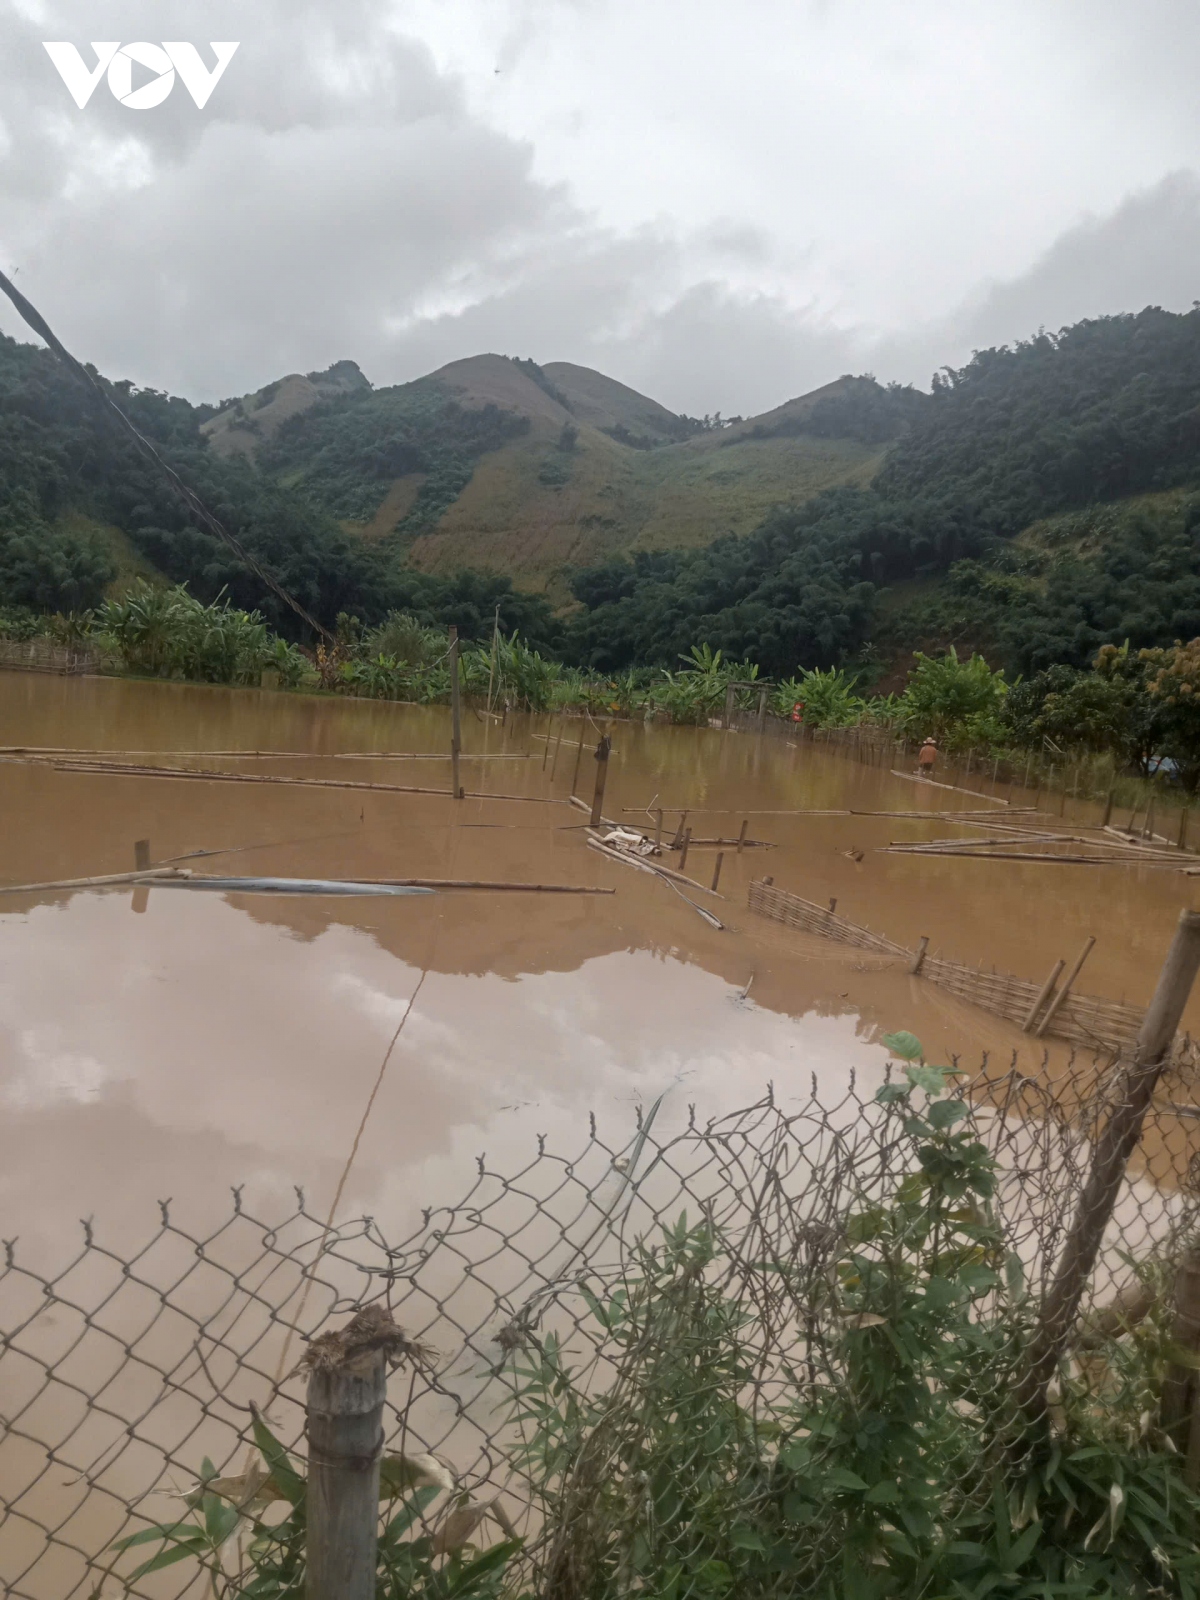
x=455 y=717
x=1183 y=828
x=919 y=957
x=99 y=769
x=647 y=866
x=1042 y=996
x=557 y=747
x=658 y=827
x=575 y=774
x=1052 y=1009
x=97 y=883
x=1108 y=805
x=717 y=870
x=495 y=646
x=741 y=844
x=546 y=744
x=1130 y=1099
x=141 y=855
x=487 y=883
x=678 y=839
x=683 y=849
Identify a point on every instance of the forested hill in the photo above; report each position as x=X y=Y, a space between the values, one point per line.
x=1039 y=502
x=1038 y=506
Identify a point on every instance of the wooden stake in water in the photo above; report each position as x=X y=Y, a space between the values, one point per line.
x=141 y=855
x=557 y=744
x=918 y=960
x=455 y=717
x=1108 y=805
x=602 y=749
x=683 y=849
x=1052 y=1008
x=578 y=759
x=678 y=839
x=1043 y=996
x=1183 y=828
x=495 y=648
x=546 y=745
x=741 y=844
x=658 y=826
x=717 y=869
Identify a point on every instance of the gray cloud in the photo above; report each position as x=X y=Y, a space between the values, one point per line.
x=340 y=197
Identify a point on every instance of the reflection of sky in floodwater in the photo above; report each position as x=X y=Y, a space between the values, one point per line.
x=194 y=1047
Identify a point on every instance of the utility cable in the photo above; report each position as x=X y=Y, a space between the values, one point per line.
x=206 y=518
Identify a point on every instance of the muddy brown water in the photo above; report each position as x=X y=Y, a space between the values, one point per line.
x=171 y=1044
x=209 y=1040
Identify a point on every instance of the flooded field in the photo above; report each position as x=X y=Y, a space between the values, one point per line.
x=177 y=1044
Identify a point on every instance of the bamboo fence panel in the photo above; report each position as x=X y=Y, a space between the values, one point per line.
x=1109 y=1026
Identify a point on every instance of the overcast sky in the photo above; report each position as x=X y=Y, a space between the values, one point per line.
x=723 y=204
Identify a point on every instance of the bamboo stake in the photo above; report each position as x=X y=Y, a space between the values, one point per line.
x=1108 y=805
x=717 y=870
x=1183 y=828
x=683 y=849
x=658 y=827
x=678 y=839
x=919 y=958
x=495 y=646
x=141 y=855
x=1053 y=1008
x=1042 y=996
x=741 y=844
x=557 y=748
x=575 y=774
x=455 y=717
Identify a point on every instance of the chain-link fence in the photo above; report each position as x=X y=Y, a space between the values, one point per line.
x=549 y=1299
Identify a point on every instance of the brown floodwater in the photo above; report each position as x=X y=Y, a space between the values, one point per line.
x=177 y=1044
x=167 y=1044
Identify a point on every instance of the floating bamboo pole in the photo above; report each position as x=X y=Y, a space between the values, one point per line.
x=647 y=866
x=147 y=876
x=207 y=775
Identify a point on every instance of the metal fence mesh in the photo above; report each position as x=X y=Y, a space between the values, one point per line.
x=121 y=1371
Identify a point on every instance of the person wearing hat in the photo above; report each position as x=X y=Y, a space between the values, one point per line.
x=927 y=757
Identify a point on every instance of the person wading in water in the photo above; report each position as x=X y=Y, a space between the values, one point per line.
x=927 y=758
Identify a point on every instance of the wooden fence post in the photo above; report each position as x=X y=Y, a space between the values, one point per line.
x=727 y=719
x=918 y=960
x=345 y=1439
x=602 y=749
x=717 y=870
x=141 y=855
x=683 y=849
x=1130 y=1099
x=455 y=717
x=1108 y=805
x=658 y=826
x=762 y=709
x=741 y=844
x=578 y=759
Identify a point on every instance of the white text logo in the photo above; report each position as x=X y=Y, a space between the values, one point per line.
x=118 y=61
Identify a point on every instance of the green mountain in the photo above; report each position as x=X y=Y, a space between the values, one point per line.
x=501 y=465
x=1040 y=501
